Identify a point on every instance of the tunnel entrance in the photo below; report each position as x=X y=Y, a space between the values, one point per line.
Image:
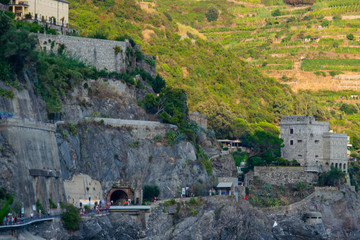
x=118 y=197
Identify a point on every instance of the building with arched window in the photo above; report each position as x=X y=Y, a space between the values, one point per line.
x=51 y=11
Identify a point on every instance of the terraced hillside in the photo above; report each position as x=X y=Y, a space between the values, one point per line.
x=277 y=38
x=223 y=59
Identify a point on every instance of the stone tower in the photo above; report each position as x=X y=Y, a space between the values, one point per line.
x=311 y=144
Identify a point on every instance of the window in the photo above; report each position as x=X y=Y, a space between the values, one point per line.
x=344 y=165
x=291 y=142
x=291 y=131
x=299 y=155
x=299 y=141
x=317 y=141
x=316 y=156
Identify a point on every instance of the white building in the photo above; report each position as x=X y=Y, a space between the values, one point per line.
x=52 y=11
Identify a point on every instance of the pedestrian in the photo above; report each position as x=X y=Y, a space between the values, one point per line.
x=31 y=216
x=125 y=203
x=4 y=220
x=39 y=213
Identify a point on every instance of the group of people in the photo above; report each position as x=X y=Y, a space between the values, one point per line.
x=12 y=220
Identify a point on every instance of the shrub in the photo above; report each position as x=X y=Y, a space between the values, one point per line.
x=334 y=73
x=39 y=206
x=325 y=23
x=212 y=14
x=52 y=204
x=71 y=218
x=334 y=177
x=194 y=212
x=170 y=202
x=350 y=37
x=276 y=13
x=151 y=191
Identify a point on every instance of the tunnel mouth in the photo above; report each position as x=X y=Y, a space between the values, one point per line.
x=119 y=197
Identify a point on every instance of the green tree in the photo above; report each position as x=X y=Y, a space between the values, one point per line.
x=276 y=13
x=239 y=127
x=263 y=144
x=212 y=14
x=334 y=177
x=71 y=218
x=151 y=191
x=350 y=36
x=219 y=115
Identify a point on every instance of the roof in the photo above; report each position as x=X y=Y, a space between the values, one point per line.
x=224 y=185
x=63 y=1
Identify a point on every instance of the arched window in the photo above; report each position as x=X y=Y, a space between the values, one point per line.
x=336 y=166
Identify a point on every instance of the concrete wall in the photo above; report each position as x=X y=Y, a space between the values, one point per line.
x=139 y=129
x=81 y=187
x=97 y=52
x=35 y=148
x=284 y=175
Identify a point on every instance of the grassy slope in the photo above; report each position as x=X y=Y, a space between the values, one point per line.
x=211 y=68
x=204 y=69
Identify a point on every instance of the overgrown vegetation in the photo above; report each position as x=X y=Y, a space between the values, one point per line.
x=71 y=218
x=334 y=177
x=150 y=192
x=262 y=194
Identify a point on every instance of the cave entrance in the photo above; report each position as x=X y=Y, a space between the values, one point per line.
x=118 y=197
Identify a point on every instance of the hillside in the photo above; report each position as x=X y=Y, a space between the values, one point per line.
x=224 y=64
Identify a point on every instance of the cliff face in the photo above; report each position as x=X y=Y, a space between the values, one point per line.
x=115 y=154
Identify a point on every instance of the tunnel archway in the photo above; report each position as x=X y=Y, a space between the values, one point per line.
x=119 y=197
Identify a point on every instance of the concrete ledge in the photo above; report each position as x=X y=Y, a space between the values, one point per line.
x=44 y=173
x=6 y=227
x=26 y=123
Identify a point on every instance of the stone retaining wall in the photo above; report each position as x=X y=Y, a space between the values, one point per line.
x=284 y=175
x=97 y=52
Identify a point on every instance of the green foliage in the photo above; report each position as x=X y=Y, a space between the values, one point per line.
x=4 y=2
x=169 y=202
x=71 y=218
x=6 y=93
x=334 y=73
x=194 y=212
x=52 y=204
x=204 y=159
x=349 y=109
x=151 y=191
x=354 y=172
x=71 y=127
x=212 y=14
x=325 y=23
x=350 y=36
x=334 y=177
x=5 y=201
x=39 y=206
x=276 y=13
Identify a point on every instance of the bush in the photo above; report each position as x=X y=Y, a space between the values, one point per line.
x=52 y=204
x=71 y=218
x=334 y=73
x=212 y=14
x=325 y=23
x=170 y=202
x=276 y=13
x=150 y=192
x=350 y=36
x=334 y=177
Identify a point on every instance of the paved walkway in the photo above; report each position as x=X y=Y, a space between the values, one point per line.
x=28 y=221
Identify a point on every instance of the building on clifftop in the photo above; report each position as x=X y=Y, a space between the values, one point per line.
x=312 y=144
x=51 y=11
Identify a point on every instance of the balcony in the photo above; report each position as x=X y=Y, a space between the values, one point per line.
x=18 y=3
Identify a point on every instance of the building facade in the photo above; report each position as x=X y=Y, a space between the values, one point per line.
x=312 y=144
x=51 y=11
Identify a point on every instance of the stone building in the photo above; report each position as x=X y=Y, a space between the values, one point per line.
x=312 y=144
x=52 y=11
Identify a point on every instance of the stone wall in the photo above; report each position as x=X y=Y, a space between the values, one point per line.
x=139 y=129
x=284 y=175
x=97 y=52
